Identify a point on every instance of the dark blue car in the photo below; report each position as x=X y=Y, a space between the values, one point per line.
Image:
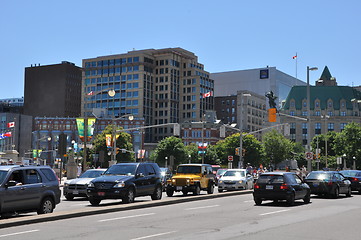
x=126 y=181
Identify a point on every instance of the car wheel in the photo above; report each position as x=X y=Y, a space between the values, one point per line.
x=348 y=194
x=130 y=195
x=94 y=201
x=69 y=197
x=170 y=192
x=307 y=198
x=258 y=201
x=197 y=190
x=46 y=206
x=336 y=193
x=220 y=190
x=291 y=199
x=185 y=192
x=157 y=195
x=210 y=188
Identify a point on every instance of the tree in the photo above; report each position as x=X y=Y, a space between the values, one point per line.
x=124 y=141
x=348 y=142
x=277 y=147
x=171 y=147
x=254 y=150
x=321 y=141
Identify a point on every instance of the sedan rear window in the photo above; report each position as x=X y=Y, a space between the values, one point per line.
x=270 y=179
x=319 y=176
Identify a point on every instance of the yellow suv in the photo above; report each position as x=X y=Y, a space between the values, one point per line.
x=191 y=178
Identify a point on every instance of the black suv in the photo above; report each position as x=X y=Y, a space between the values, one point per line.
x=126 y=181
x=280 y=186
x=28 y=189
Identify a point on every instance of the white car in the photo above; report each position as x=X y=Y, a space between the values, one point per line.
x=235 y=179
x=77 y=187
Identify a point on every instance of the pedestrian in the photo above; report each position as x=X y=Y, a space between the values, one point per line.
x=79 y=170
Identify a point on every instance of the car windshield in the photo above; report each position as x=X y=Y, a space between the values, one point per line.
x=221 y=171
x=189 y=169
x=3 y=175
x=319 y=176
x=91 y=174
x=270 y=179
x=234 y=174
x=121 y=170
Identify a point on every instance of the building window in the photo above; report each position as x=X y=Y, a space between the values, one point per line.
x=292 y=103
x=329 y=104
x=317 y=113
x=317 y=104
x=343 y=113
x=342 y=126
x=331 y=126
x=304 y=113
x=317 y=128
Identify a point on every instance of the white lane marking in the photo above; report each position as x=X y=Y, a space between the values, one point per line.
x=18 y=233
x=154 y=235
x=274 y=212
x=133 y=216
x=248 y=201
x=201 y=207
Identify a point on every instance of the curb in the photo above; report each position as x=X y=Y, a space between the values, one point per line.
x=93 y=210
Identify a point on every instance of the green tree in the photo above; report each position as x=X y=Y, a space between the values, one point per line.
x=254 y=151
x=124 y=141
x=171 y=146
x=348 y=142
x=192 y=150
x=324 y=141
x=277 y=148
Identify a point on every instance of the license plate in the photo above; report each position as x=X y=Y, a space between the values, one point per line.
x=178 y=188
x=269 y=187
x=75 y=192
x=101 y=193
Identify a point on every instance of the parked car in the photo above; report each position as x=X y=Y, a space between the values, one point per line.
x=77 y=187
x=219 y=173
x=215 y=168
x=235 y=179
x=330 y=183
x=126 y=181
x=280 y=186
x=28 y=189
x=355 y=178
x=191 y=178
x=166 y=174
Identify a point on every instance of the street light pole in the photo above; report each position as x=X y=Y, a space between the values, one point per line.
x=326 y=130
x=114 y=137
x=240 y=163
x=309 y=163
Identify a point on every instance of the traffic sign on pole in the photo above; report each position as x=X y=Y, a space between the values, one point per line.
x=230 y=158
x=309 y=155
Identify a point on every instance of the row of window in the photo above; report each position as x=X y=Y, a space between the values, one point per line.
x=113 y=104
x=317 y=126
x=196 y=133
x=330 y=113
x=106 y=71
x=318 y=103
x=128 y=77
x=111 y=62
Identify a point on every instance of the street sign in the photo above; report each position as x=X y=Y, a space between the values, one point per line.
x=230 y=158
x=309 y=155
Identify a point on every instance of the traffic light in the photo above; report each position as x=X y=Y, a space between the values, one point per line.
x=272 y=116
x=243 y=152
x=237 y=151
x=62 y=144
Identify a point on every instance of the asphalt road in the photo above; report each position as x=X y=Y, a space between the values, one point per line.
x=232 y=217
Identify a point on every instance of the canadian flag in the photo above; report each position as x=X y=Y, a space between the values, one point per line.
x=208 y=94
x=11 y=124
x=91 y=93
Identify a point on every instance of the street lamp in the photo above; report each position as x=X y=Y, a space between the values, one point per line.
x=326 y=130
x=309 y=165
x=354 y=163
x=344 y=161
x=240 y=163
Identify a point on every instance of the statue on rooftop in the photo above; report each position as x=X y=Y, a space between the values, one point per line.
x=271 y=99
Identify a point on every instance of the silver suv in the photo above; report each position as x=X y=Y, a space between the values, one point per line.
x=28 y=189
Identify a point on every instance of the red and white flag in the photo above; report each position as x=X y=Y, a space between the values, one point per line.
x=91 y=93
x=7 y=134
x=294 y=57
x=208 y=94
x=11 y=124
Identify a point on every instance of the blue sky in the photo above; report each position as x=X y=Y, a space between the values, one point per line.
x=225 y=35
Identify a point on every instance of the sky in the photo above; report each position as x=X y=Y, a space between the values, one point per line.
x=226 y=35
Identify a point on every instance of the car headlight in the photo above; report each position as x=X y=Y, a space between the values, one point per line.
x=66 y=184
x=173 y=180
x=241 y=181
x=220 y=181
x=119 y=185
x=90 y=184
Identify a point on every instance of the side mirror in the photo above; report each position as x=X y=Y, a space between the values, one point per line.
x=11 y=183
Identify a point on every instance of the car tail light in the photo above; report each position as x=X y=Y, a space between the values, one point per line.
x=256 y=186
x=284 y=186
x=354 y=179
x=329 y=183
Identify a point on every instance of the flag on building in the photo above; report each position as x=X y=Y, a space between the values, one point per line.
x=11 y=124
x=5 y=135
x=208 y=94
x=294 y=57
x=91 y=93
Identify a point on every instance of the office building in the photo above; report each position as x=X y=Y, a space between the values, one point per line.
x=160 y=85
x=52 y=90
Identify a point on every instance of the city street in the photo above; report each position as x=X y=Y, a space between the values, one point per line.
x=234 y=217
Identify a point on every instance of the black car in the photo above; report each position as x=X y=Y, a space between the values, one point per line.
x=280 y=186
x=28 y=189
x=126 y=181
x=330 y=183
x=355 y=178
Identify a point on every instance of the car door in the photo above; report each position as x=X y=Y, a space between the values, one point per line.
x=151 y=179
x=14 y=198
x=140 y=180
x=296 y=183
x=34 y=187
x=342 y=182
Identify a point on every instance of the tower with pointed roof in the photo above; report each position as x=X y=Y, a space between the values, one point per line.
x=326 y=79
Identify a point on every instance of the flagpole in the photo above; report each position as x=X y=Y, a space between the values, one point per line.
x=296 y=64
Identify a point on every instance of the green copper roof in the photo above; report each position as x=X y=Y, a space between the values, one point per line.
x=326 y=75
x=322 y=93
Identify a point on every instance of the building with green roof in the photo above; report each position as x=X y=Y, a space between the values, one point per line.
x=331 y=108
